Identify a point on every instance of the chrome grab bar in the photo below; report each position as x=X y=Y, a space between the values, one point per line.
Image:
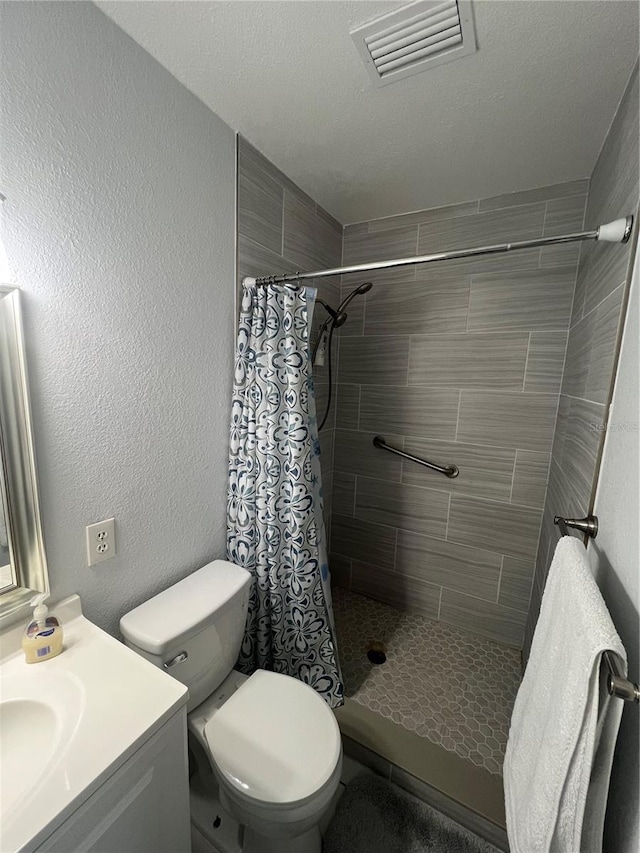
x=448 y=470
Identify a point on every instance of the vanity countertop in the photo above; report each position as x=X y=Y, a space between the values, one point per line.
x=70 y=722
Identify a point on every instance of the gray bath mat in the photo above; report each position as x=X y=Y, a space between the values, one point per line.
x=375 y=816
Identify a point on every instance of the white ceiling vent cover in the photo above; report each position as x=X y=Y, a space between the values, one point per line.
x=415 y=38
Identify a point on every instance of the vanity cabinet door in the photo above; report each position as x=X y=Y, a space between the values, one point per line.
x=142 y=808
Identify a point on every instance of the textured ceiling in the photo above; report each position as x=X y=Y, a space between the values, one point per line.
x=531 y=107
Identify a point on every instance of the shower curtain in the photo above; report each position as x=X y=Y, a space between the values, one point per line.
x=275 y=523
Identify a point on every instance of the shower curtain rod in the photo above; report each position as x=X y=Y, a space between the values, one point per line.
x=618 y=231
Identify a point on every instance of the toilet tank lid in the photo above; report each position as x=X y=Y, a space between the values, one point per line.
x=183 y=609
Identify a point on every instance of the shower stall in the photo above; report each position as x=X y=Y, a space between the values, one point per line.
x=493 y=362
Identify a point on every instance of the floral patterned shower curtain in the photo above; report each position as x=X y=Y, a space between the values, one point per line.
x=275 y=523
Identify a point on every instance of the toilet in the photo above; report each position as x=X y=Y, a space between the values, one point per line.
x=272 y=742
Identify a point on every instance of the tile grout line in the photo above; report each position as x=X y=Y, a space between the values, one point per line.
x=542 y=201
x=443 y=491
x=282 y=221
x=395 y=550
x=473 y=388
x=476 y=202
x=466 y=322
x=580 y=315
x=262 y=246
x=584 y=400
x=595 y=307
x=500 y=580
x=475 y=443
x=513 y=478
x=364 y=312
x=526 y=364
x=515 y=270
x=455 y=438
x=406 y=383
x=446 y=532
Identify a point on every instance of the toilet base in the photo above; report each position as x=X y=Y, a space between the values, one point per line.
x=286 y=839
x=214 y=830
x=310 y=842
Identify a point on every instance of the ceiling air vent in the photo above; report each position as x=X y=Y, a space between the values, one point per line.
x=415 y=38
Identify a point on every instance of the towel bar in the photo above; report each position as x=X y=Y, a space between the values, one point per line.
x=588 y=525
x=617 y=684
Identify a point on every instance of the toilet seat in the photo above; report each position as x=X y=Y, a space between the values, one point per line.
x=274 y=741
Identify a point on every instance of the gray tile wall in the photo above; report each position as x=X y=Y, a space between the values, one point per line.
x=459 y=362
x=596 y=322
x=282 y=229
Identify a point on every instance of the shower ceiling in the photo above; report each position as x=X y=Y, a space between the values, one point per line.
x=530 y=108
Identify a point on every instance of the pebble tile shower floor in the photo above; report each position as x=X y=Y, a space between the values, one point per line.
x=453 y=687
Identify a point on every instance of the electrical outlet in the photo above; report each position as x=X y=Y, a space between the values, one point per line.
x=101 y=541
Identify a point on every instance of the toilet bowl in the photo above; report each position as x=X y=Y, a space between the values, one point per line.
x=274 y=747
x=272 y=742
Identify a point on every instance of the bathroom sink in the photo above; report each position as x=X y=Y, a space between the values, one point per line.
x=39 y=713
x=66 y=724
x=28 y=728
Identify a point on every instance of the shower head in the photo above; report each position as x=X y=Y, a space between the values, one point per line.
x=339 y=317
x=358 y=291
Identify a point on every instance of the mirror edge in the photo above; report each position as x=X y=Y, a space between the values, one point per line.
x=17 y=448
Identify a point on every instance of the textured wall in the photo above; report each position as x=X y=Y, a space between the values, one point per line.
x=281 y=229
x=598 y=310
x=458 y=362
x=119 y=225
x=615 y=557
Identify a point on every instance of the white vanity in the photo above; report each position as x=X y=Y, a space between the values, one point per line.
x=93 y=748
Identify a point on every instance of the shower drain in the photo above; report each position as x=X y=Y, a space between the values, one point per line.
x=376 y=653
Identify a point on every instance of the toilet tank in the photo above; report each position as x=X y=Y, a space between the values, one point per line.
x=193 y=630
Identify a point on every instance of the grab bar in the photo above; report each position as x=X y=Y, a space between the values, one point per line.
x=448 y=470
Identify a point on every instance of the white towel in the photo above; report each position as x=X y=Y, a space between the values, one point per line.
x=555 y=731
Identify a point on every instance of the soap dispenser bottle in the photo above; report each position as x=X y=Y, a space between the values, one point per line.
x=43 y=635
